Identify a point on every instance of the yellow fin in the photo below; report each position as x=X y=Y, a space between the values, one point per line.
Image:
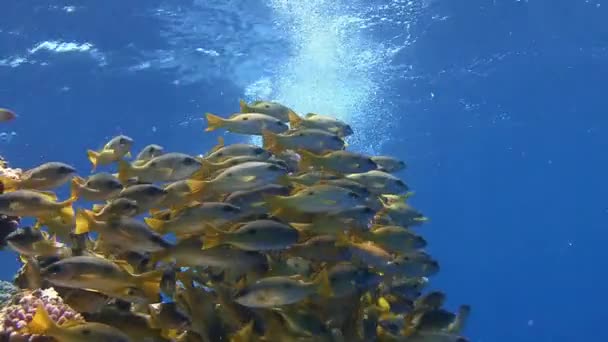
x=75 y=185
x=9 y=183
x=220 y=144
x=124 y=169
x=196 y=186
x=243 y=106
x=384 y=305
x=149 y=282
x=322 y=281
x=294 y=119
x=41 y=322
x=212 y=240
x=156 y=224
x=84 y=222
x=213 y=122
x=245 y=334
x=270 y=141
x=93 y=157
x=308 y=159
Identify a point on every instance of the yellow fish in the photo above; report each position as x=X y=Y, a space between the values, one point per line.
x=117 y=148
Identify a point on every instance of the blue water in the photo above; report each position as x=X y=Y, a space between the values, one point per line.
x=499 y=107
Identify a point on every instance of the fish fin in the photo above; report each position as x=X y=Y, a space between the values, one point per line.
x=308 y=159
x=41 y=322
x=322 y=281
x=128 y=154
x=9 y=183
x=273 y=202
x=212 y=240
x=243 y=106
x=294 y=119
x=384 y=305
x=310 y=115
x=156 y=224
x=149 y=282
x=84 y=222
x=461 y=317
x=270 y=141
x=220 y=144
x=249 y=178
x=75 y=186
x=245 y=334
x=196 y=186
x=93 y=158
x=213 y=122
x=97 y=207
x=124 y=169
x=67 y=210
x=204 y=171
x=342 y=240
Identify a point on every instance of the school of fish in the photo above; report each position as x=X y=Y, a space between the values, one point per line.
x=300 y=239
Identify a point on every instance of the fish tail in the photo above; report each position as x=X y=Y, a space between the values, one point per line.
x=213 y=122
x=294 y=119
x=85 y=222
x=271 y=141
x=243 y=105
x=461 y=317
x=93 y=157
x=274 y=203
x=196 y=186
x=41 y=323
x=245 y=334
x=220 y=144
x=149 y=282
x=322 y=281
x=213 y=239
x=66 y=210
x=157 y=225
x=124 y=171
x=9 y=184
x=308 y=159
x=76 y=186
x=204 y=171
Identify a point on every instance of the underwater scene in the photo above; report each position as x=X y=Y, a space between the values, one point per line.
x=303 y=170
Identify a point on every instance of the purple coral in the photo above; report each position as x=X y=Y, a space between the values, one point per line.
x=15 y=316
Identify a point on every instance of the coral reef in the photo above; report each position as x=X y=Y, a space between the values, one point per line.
x=8 y=224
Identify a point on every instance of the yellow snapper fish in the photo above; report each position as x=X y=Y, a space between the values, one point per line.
x=312 y=140
x=99 y=274
x=166 y=167
x=128 y=233
x=195 y=218
x=136 y=325
x=273 y=109
x=61 y=227
x=35 y=204
x=347 y=279
x=147 y=196
x=246 y=176
x=281 y=290
x=324 y=248
x=33 y=242
x=238 y=150
x=395 y=238
x=379 y=182
x=42 y=324
x=117 y=148
x=322 y=122
x=98 y=187
x=251 y=202
x=399 y=213
x=44 y=177
x=337 y=162
x=115 y=208
x=389 y=164
x=209 y=169
x=310 y=178
x=249 y=123
x=356 y=218
x=149 y=152
x=259 y=235
x=437 y=320
x=413 y=264
x=316 y=199
x=188 y=253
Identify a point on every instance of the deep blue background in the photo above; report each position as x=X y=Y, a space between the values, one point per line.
x=507 y=157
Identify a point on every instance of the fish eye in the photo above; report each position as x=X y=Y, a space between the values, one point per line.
x=123 y=141
x=228 y=208
x=267 y=106
x=280 y=123
x=65 y=169
x=353 y=194
x=245 y=118
x=189 y=161
x=286 y=285
x=252 y=232
x=229 y=174
x=86 y=331
x=220 y=154
x=399 y=182
x=258 y=150
x=54 y=269
x=273 y=167
x=310 y=193
x=368 y=210
x=300 y=134
x=152 y=191
x=152 y=164
x=336 y=138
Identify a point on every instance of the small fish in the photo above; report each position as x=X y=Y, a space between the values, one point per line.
x=316 y=199
x=99 y=274
x=367 y=253
x=209 y=169
x=47 y=176
x=7 y=115
x=147 y=153
x=124 y=232
x=356 y=218
x=250 y=123
x=273 y=109
x=167 y=167
x=117 y=148
x=251 y=202
x=238 y=150
x=412 y=264
x=58 y=226
x=280 y=290
x=321 y=248
x=312 y=140
x=347 y=279
x=260 y=235
x=337 y=162
x=311 y=178
x=195 y=218
x=246 y=176
x=167 y=316
x=36 y=204
x=322 y=122
x=42 y=324
x=116 y=208
x=147 y=196
x=351 y=185
x=33 y=242
x=188 y=253
x=379 y=182
x=389 y=164
x=431 y=301
x=99 y=187
x=136 y=325
x=399 y=213
x=304 y=323
x=394 y=238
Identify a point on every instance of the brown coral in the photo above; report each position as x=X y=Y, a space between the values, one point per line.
x=22 y=308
